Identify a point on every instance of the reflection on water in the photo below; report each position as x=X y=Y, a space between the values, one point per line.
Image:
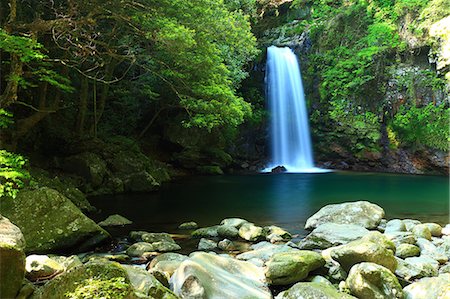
x=283 y=199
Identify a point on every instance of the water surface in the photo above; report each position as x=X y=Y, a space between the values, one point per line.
x=282 y=199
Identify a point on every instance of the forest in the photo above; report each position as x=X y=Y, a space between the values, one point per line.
x=165 y=105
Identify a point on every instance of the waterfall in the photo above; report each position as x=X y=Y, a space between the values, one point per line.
x=290 y=137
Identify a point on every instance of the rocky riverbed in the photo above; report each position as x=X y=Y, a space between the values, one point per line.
x=352 y=251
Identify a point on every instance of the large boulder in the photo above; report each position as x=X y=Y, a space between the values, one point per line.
x=50 y=222
x=361 y=213
x=331 y=234
x=140 y=182
x=89 y=166
x=363 y=251
x=372 y=281
x=429 y=288
x=12 y=258
x=104 y=279
x=285 y=268
x=207 y=275
x=313 y=290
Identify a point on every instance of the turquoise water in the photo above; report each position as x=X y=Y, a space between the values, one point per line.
x=283 y=199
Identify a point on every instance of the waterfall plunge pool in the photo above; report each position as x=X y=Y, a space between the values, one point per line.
x=285 y=199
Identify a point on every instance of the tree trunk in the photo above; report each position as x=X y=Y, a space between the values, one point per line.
x=9 y=96
x=82 y=110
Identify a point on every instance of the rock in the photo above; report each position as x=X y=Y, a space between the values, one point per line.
x=360 y=213
x=140 y=182
x=146 y=285
x=395 y=225
x=372 y=281
x=103 y=280
x=274 y=233
x=227 y=231
x=332 y=234
x=236 y=222
x=26 y=290
x=285 y=268
x=165 y=246
x=363 y=251
x=401 y=238
x=278 y=169
x=429 y=288
x=446 y=230
x=410 y=223
x=67 y=262
x=206 y=244
x=426 y=265
x=40 y=267
x=12 y=258
x=47 y=230
x=264 y=252
x=206 y=232
x=407 y=250
x=115 y=220
x=161 y=242
x=320 y=279
x=139 y=248
x=444 y=269
x=167 y=262
x=312 y=290
x=421 y=231
x=251 y=232
x=87 y=165
x=381 y=239
x=226 y=245
x=188 y=225
x=444 y=247
x=206 y=275
x=435 y=229
x=382 y=225
x=408 y=271
x=427 y=248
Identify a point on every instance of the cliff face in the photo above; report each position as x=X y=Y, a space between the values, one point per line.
x=376 y=76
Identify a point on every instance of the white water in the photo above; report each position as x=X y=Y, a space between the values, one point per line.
x=290 y=138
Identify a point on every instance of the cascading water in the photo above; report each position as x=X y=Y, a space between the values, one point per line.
x=290 y=138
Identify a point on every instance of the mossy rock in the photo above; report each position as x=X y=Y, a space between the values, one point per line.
x=56 y=223
x=211 y=169
x=312 y=290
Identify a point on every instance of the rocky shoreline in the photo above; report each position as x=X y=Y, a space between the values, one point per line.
x=350 y=252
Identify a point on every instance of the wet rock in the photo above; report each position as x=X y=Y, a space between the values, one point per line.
x=363 y=251
x=251 y=232
x=39 y=267
x=167 y=263
x=276 y=234
x=310 y=290
x=395 y=225
x=206 y=275
x=165 y=246
x=407 y=250
x=360 y=213
x=278 y=169
x=226 y=245
x=235 y=222
x=12 y=258
x=188 y=225
x=139 y=248
x=429 y=288
x=206 y=232
x=47 y=230
x=372 y=281
x=115 y=220
x=206 y=244
x=227 y=231
x=290 y=267
x=264 y=251
x=332 y=234
x=421 y=231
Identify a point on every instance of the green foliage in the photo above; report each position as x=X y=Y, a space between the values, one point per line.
x=12 y=166
x=427 y=126
x=26 y=48
x=94 y=288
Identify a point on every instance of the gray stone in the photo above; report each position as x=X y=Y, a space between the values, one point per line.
x=426 y=265
x=409 y=271
x=251 y=232
x=285 y=268
x=40 y=267
x=427 y=248
x=332 y=234
x=360 y=213
x=12 y=258
x=227 y=231
x=446 y=230
x=410 y=223
x=312 y=290
x=165 y=246
x=264 y=252
x=188 y=225
x=276 y=234
x=206 y=275
x=206 y=244
x=139 y=248
x=363 y=251
x=115 y=220
x=395 y=225
x=401 y=238
x=167 y=263
x=429 y=288
x=206 y=232
x=226 y=245
x=56 y=223
x=236 y=222
x=407 y=250
x=372 y=281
